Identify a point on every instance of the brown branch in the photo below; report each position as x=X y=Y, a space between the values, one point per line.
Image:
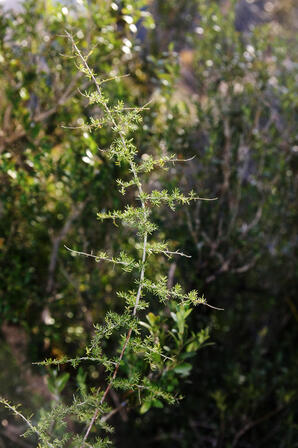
x=250 y=425
x=246 y=267
x=171 y=275
x=191 y=228
x=120 y=407
x=95 y=415
x=21 y=132
x=256 y=218
x=86 y=313
x=13 y=438
x=76 y=210
x=17 y=340
x=114 y=411
x=226 y=157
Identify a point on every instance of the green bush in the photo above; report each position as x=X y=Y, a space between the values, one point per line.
x=224 y=96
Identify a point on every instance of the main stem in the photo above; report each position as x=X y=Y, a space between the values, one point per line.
x=145 y=237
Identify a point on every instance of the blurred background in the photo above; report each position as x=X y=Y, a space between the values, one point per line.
x=222 y=80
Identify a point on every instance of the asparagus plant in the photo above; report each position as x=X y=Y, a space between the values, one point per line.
x=153 y=354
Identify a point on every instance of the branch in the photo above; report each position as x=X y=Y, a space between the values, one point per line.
x=98 y=257
x=168 y=253
x=171 y=275
x=226 y=157
x=105 y=418
x=246 y=266
x=213 y=307
x=19 y=414
x=119 y=407
x=250 y=425
x=14 y=439
x=21 y=132
x=75 y=213
x=57 y=362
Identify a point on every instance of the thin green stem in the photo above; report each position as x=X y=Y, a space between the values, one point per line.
x=27 y=421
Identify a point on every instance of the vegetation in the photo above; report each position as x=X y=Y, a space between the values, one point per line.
x=221 y=119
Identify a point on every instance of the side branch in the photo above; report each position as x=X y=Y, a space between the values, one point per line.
x=27 y=421
x=99 y=257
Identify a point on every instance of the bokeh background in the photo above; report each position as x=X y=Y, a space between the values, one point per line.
x=222 y=80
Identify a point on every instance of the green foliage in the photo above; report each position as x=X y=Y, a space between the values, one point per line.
x=237 y=116
x=222 y=95
x=45 y=164
x=139 y=364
